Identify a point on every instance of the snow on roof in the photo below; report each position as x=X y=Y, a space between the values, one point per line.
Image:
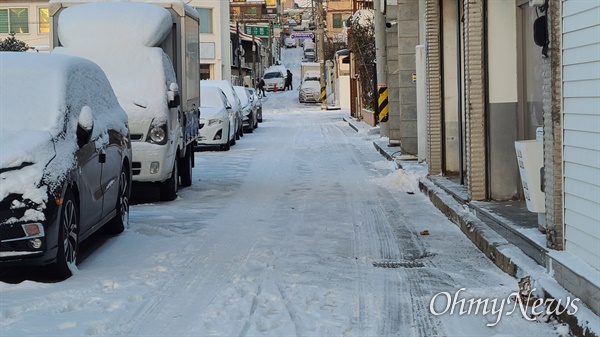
x=364 y=17
x=135 y=24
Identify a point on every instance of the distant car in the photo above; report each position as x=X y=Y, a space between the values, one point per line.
x=65 y=159
x=234 y=100
x=310 y=89
x=248 y=109
x=218 y=120
x=274 y=80
x=290 y=43
x=257 y=103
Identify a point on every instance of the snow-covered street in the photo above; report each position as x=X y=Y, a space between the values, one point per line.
x=301 y=229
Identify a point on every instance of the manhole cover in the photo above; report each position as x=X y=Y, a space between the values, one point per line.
x=398 y=264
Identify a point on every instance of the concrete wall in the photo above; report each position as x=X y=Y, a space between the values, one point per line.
x=449 y=76
x=503 y=97
x=401 y=67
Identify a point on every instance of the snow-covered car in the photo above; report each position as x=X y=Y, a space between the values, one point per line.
x=217 y=121
x=65 y=159
x=290 y=43
x=233 y=99
x=248 y=109
x=257 y=101
x=274 y=80
x=310 y=89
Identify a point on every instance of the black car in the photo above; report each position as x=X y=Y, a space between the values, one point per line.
x=65 y=155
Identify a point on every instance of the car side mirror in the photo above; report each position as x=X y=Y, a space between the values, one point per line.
x=85 y=126
x=173 y=96
x=228 y=106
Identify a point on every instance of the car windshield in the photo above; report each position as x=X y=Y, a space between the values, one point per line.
x=211 y=98
x=273 y=75
x=243 y=95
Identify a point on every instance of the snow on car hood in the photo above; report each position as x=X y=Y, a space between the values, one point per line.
x=314 y=85
x=26 y=157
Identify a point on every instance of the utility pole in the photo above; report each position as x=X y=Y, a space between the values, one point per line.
x=237 y=50
x=321 y=50
x=381 y=59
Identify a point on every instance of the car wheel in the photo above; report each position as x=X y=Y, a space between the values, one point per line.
x=169 y=187
x=241 y=130
x=227 y=145
x=185 y=167
x=121 y=220
x=68 y=237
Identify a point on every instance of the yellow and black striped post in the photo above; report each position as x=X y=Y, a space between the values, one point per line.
x=383 y=104
x=323 y=94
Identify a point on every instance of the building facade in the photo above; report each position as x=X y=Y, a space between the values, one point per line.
x=215 y=52
x=29 y=20
x=518 y=72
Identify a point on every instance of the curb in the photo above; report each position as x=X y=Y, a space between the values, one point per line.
x=383 y=152
x=488 y=241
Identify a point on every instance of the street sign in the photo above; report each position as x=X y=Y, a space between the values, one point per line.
x=302 y=35
x=260 y=31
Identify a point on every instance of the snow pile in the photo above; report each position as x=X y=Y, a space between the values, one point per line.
x=404 y=179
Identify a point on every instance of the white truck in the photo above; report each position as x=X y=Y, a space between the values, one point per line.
x=309 y=67
x=149 y=51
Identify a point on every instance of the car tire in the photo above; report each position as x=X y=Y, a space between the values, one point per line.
x=169 y=187
x=120 y=222
x=227 y=145
x=68 y=237
x=241 y=130
x=185 y=168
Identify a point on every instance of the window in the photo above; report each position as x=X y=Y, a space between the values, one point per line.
x=44 y=21
x=14 y=20
x=337 y=20
x=205 y=71
x=206 y=20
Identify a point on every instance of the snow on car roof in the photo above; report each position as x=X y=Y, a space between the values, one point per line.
x=132 y=25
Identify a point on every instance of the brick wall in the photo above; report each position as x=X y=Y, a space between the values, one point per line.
x=475 y=99
x=433 y=86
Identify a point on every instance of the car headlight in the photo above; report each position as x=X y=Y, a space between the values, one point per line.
x=157 y=134
x=214 y=121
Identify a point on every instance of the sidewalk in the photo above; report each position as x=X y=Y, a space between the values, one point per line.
x=507 y=233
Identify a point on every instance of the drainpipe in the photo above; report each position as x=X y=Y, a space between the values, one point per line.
x=486 y=98
x=459 y=89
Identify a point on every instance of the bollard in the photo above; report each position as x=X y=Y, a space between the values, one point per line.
x=275 y=88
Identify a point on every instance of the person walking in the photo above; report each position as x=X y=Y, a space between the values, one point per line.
x=260 y=86
x=288 y=80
